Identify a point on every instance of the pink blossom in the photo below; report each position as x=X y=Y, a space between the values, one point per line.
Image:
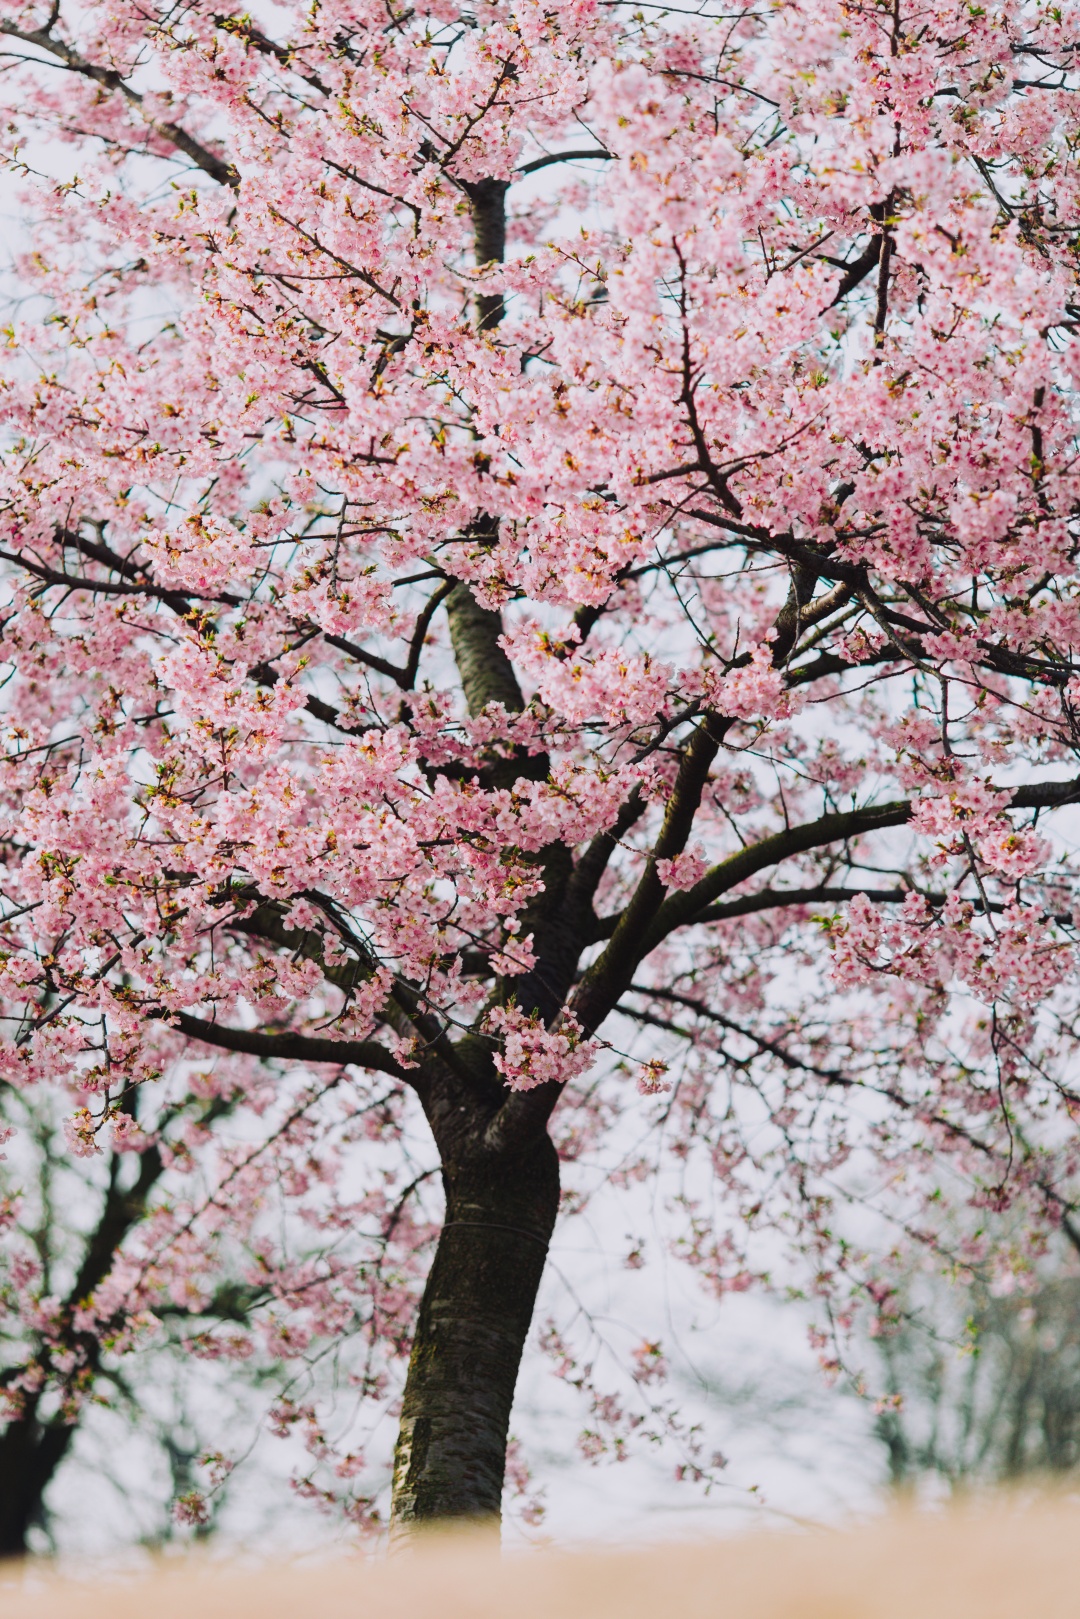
x=453 y=670
x=532 y=1055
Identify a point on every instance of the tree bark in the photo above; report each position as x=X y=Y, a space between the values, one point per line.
x=471 y=1330
x=485 y=672
x=488 y=198
x=500 y=1205
x=30 y=1453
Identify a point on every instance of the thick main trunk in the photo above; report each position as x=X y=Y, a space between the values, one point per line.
x=500 y=1207
x=472 y=1326
x=29 y=1457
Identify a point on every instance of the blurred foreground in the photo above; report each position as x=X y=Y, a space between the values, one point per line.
x=993 y=1560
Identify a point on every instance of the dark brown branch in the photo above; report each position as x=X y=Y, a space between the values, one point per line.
x=858 y=270
x=630 y=944
x=680 y=909
x=217 y=168
x=402 y=1011
x=243 y=28
x=423 y=624
x=352 y=271
x=371 y=660
x=292 y=1047
x=772 y=1048
x=113 y=587
x=608 y=977
x=266 y=675
x=882 y=310
x=525 y=1113
x=788 y=623
x=564 y=157
x=773 y=899
x=593 y=863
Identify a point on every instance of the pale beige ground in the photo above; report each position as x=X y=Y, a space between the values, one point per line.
x=1006 y=1561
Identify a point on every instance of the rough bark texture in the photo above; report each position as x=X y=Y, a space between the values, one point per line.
x=488 y=198
x=474 y=1318
x=484 y=669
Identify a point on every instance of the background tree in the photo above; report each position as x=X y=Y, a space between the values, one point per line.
x=983 y=1381
x=524 y=526
x=59 y=1246
x=66 y=1217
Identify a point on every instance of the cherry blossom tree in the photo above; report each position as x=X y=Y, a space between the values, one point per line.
x=61 y=1235
x=539 y=544
x=1008 y=1408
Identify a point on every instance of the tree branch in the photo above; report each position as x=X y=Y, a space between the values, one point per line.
x=592 y=1001
x=217 y=168
x=680 y=909
x=564 y=157
x=292 y=1047
x=858 y=270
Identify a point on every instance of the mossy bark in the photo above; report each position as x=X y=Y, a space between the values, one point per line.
x=471 y=1330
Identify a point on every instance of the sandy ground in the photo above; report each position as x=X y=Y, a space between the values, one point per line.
x=1007 y=1560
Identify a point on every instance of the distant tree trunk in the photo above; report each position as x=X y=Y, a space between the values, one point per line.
x=471 y=1330
x=30 y=1453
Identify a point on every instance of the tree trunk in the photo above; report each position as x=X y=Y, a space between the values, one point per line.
x=31 y=1451
x=29 y=1457
x=472 y=1326
x=500 y=1206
